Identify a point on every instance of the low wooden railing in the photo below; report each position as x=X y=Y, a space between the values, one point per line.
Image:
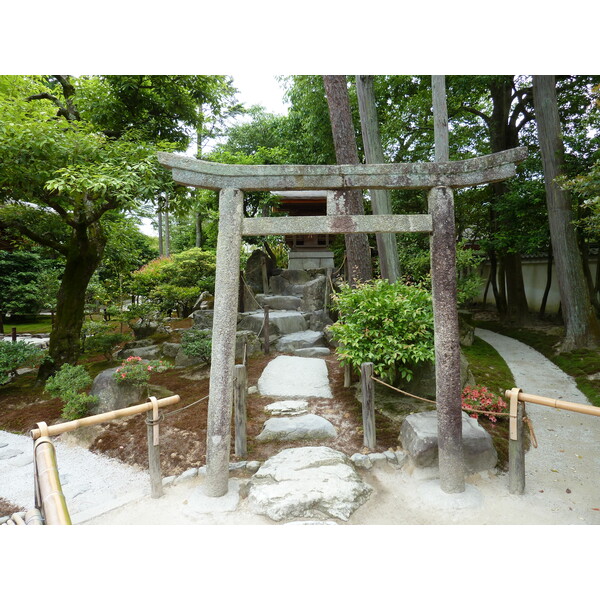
x=50 y=500
x=516 y=442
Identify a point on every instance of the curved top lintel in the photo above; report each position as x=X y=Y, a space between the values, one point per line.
x=462 y=173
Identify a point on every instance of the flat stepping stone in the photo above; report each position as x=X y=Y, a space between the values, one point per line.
x=295 y=376
x=291 y=429
x=300 y=339
x=307 y=483
x=287 y=408
x=315 y=352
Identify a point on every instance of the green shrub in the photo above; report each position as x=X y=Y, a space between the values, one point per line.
x=197 y=343
x=67 y=384
x=100 y=336
x=388 y=324
x=14 y=355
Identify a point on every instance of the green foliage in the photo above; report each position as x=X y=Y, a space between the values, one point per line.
x=68 y=384
x=177 y=281
x=26 y=282
x=197 y=343
x=15 y=355
x=136 y=371
x=390 y=325
x=99 y=336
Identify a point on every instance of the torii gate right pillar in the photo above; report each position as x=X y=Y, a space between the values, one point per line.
x=446 y=340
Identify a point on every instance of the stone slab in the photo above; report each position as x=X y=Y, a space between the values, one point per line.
x=287 y=408
x=307 y=483
x=295 y=376
x=303 y=427
x=300 y=339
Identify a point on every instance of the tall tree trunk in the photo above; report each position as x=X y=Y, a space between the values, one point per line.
x=516 y=300
x=83 y=258
x=581 y=325
x=587 y=272
x=380 y=199
x=357 y=244
x=199 y=240
x=548 y=283
x=167 y=237
x=161 y=243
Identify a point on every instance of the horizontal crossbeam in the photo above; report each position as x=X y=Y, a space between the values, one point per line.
x=337 y=224
x=455 y=174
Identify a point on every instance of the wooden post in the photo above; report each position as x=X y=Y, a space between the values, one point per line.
x=14 y=334
x=265 y=277
x=516 y=445
x=368 y=405
x=347 y=376
x=266 y=334
x=218 y=431
x=445 y=311
x=156 y=489
x=241 y=293
x=239 y=405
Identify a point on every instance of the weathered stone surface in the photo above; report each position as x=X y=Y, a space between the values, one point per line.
x=287 y=408
x=113 y=394
x=315 y=352
x=361 y=460
x=252 y=342
x=313 y=294
x=318 y=320
x=182 y=360
x=253 y=270
x=143 y=329
x=138 y=343
x=280 y=322
x=418 y=436
x=145 y=352
x=284 y=283
x=279 y=302
x=203 y=319
x=329 y=337
x=295 y=376
x=170 y=349
x=312 y=482
x=300 y=339
x=304 y=427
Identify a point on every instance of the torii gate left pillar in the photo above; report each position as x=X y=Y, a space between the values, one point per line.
x=232 y=180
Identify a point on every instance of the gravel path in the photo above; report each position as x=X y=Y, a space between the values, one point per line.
x=92 y=484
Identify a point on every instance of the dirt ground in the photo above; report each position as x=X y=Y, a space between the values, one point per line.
x=183 y=430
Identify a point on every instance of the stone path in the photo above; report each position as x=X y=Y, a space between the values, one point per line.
x=567 y=455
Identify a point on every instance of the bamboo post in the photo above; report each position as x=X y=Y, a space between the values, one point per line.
x=560 y=404
x=516 y=445
x=156 y=489
x=368 y=405
x=266 y=335
x=239 y=405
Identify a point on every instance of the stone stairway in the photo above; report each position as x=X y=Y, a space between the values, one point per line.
x=296 y=313
x=292 y=380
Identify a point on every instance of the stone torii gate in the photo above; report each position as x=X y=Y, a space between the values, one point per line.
x=439 y=177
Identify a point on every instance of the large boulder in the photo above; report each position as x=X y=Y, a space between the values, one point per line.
x=203 y=319
x=313 y=294
x=114 y=394
x=300 y=339
x=419 y=439
x=307 y=483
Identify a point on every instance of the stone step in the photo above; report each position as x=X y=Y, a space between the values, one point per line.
x=300 y=339
x=295 y=376
x=281 y=322
x=291 y=429
x=279 y=302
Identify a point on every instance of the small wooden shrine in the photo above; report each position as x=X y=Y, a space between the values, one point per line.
x=307 y=251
